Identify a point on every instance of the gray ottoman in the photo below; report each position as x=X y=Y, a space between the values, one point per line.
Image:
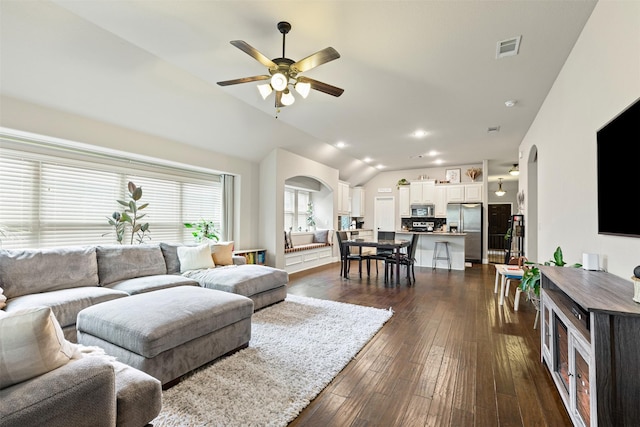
x=168 y=332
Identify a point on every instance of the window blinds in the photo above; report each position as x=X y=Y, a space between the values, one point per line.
x=62 y=199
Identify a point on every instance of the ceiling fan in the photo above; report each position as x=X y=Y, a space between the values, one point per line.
x=284 y=72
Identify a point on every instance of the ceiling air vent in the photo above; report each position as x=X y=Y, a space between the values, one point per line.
x=508 y=47
x=493 y=129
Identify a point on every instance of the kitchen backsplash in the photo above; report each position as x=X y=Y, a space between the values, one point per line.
x=408 y=222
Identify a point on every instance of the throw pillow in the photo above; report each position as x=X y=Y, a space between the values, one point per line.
x=286 y=240
x=31 y=343
x=195 y=257
x=321 y=236
x=222 y=253
x=3 y=299
x=289 y=239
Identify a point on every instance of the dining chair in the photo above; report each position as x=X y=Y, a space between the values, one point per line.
x=383 y=254
x=408 y=260
x=344 y=268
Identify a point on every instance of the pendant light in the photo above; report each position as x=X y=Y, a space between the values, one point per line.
x=515 y=170
x=500 y=192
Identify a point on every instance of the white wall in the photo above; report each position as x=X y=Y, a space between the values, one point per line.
x=600 y=78
x=37 y=119
x=275 y=169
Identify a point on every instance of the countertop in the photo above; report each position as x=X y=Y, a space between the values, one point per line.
x=437 y=233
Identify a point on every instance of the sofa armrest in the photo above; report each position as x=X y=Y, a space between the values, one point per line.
x=239 y=260
x=80 y=393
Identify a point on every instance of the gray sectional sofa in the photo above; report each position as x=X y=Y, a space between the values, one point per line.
x=71 y=280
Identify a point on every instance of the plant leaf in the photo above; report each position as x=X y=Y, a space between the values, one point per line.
x=131 y=187
x=137 y=194
x=123 y=203
x=143 y=206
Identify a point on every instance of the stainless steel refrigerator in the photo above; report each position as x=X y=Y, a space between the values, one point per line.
x=468 y=219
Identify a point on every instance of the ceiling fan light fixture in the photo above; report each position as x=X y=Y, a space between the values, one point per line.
x=303 y=88
x=500 y=192
x=279 y=81
x=265 y=90
x=515 y=170
x=287 y=98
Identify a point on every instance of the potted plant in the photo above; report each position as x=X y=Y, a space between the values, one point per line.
x=203 y=230
x=311 y=221
x=530 y=283
x=131 y=216
x=402 y=181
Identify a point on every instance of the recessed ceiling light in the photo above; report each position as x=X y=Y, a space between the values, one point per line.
x=380 y=166
x=367 y=159
x=438 y=161
x=340 y=144
x=433 y=153
x=420 y=133
x=510 y=102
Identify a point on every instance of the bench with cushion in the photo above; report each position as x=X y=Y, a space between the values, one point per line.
x=307 y=250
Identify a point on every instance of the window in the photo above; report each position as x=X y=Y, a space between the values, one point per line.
x=57 y=197
x=295 y=209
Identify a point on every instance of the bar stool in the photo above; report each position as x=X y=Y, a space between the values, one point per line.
x=441 y=245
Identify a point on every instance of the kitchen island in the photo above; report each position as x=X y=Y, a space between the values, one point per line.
x=427 y=242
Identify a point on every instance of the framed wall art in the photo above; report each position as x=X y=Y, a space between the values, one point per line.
x=452 y=175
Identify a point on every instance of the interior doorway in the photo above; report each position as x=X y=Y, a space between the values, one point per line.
x=499 y=215
x=384 y=214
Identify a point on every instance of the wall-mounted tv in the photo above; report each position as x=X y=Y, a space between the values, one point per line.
x=619 y=174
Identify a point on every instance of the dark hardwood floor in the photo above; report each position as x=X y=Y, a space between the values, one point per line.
x=449 y=356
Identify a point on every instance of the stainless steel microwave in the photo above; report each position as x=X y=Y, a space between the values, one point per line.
x=422 y=210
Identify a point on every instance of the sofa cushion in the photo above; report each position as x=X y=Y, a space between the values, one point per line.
x=222 y=253
x=139 y=285
x=23 y=271
x=65 y=303
x=31 y=344
x=120 y=262
x=195 y=257
x=246 y=280
x=170 y=253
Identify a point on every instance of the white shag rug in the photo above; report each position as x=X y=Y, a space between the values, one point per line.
x=297 y=347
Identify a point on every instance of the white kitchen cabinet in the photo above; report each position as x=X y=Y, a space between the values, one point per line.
x=343 y=198
x=440 y=201
x=455 y=193
x=473 y=192
x=357 y=201
x=422 y=192
x=404 y=200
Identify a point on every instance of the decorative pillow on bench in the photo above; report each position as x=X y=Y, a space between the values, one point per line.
x=321 y=236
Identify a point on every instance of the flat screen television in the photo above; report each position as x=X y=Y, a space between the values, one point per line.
x=619 y=174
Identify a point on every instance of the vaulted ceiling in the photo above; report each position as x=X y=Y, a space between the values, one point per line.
x=152 y=66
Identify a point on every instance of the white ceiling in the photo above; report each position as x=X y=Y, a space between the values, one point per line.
x=152 y=66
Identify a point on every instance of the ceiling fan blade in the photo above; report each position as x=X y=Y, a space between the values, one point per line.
x=253 y=52
x=322 y=87
x=279 y=103
x=244 y=80
x=318 y=58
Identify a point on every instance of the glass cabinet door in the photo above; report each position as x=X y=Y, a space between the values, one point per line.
x=580 y=387
x=561 y=351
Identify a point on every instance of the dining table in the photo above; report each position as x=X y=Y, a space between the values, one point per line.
x=395 y=245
